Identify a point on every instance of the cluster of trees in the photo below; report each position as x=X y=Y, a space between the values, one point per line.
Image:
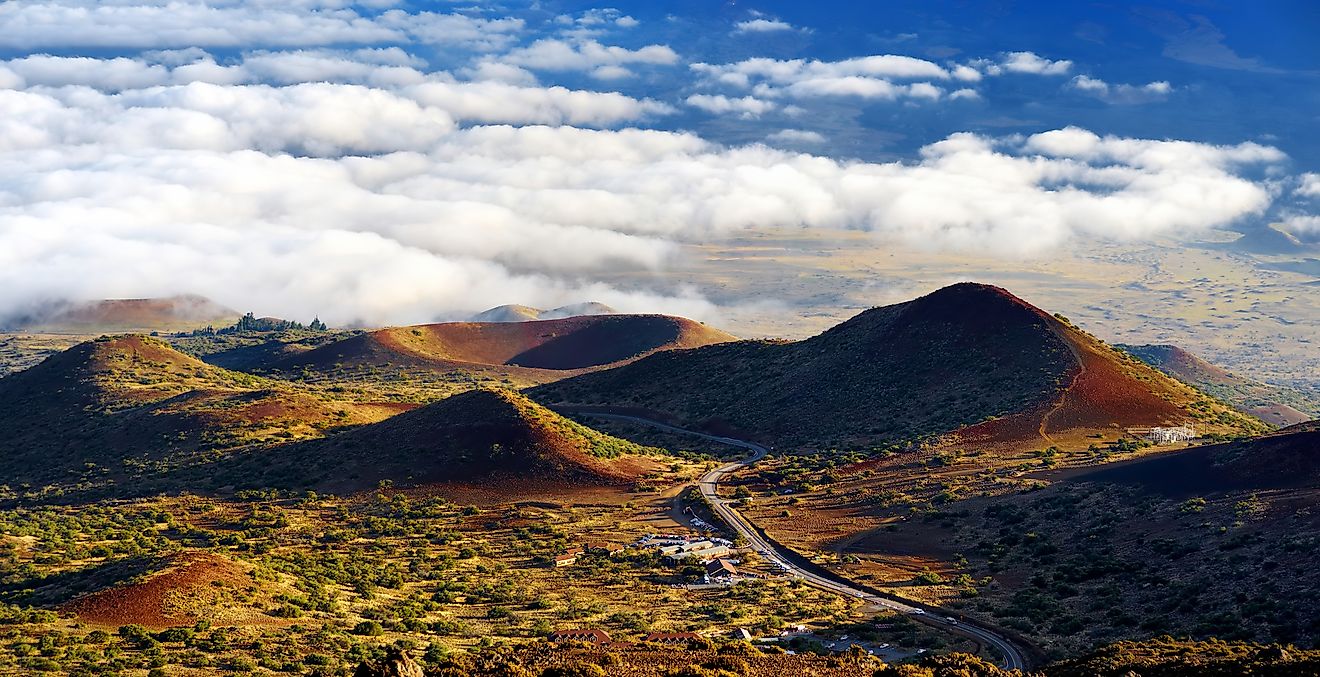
x=251 y=323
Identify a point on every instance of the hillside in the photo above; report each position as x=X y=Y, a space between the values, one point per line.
x=520 y=313
x=1287 y=458
x=495 y=436
x=508 y=313
x=174 y=313
x=518 y=348
x=1278 y=405
x=1210 y=541
x=963 y=355
x=77 y=418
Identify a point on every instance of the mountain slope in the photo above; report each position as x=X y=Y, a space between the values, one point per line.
x=513 y=347
x=519 y=313
x=1279 y=405
x=132 y=408
x=174 y=313
x=508 y=313
x=495 y=436
x=953 y=358
x=1287 y=458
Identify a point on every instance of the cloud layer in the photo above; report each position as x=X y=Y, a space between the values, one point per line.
x=304 y=158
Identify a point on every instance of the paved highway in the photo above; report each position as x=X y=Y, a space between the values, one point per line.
x=1013 y=657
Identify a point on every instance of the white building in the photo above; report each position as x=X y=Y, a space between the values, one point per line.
x=1180 y=433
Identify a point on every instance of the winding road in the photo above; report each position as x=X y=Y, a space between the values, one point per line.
x=1013 y=657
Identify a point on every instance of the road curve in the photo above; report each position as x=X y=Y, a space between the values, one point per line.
x=1013 y=657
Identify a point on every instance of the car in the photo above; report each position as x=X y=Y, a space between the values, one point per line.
x=918 y=612
x=951 y=620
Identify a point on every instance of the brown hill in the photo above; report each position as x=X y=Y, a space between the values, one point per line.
x=960 y=356
x=519 y=313
x=508 y=313
x=177 y=591
x=516 y=347
x=495 y=436
x=174 y=313
x=1278 y=405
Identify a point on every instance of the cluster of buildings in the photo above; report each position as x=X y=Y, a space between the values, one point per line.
x=675 y=548
x=1165 y=435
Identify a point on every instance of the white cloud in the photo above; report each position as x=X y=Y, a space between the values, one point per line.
x=611 y=73
x=498 y=102
x=1308 y=185
x=146 y=24
x=965 y=93
x=309 y=164
x=373 y=205
x=784 y=72
x=1025 y=62
x=585 y=55
x=966 y=73
x=1302 y=224
x=500 y=72
x=494 y=99
x=871 y=77
x=863 y=77
x=110 y=74
x=746 y=107
x=796 y=137
x=1121 y=93
x=454 y=30
x=763 y=26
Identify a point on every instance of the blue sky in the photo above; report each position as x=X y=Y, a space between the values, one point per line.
x=431 y=159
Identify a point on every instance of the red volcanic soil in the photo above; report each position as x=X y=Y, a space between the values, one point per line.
x=1104 y=393
x=175 y=596
x=1100 y=393
x=1102 y=389
x=565 y=344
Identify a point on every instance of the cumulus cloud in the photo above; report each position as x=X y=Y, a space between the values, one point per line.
x=147 y=24
x=199 y=86
x=783 y=72
x=1121 y=93
x=746 y=107
x=585 y=55
x=1302 y=224
x=796 y=137
x=871 y=77
x=1024 y=62
x=1308 y=185
x=374 y=205
x=761 y=25
x=291 y=157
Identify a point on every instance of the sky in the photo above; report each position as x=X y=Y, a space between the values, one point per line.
x=389 y=162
